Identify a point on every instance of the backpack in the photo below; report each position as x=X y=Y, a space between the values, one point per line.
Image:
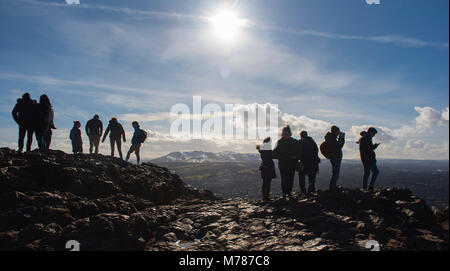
x=324 y=150
x=142 y=136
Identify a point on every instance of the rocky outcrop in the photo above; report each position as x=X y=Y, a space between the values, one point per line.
x=106 y=204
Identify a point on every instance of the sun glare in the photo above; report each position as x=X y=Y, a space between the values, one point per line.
x=227 y=24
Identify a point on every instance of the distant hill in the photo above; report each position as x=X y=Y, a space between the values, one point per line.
x=241 y=177
x=207 y=157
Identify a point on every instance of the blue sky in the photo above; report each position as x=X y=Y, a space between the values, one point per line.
x=322 y=62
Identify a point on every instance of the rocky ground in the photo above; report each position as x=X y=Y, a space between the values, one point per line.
x=107 y=204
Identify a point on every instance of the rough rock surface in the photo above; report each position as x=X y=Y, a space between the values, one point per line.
x=107 y=204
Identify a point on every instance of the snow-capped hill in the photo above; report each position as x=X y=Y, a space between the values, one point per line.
x=208 y=157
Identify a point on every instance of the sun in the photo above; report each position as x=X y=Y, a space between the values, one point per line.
x=227 y=24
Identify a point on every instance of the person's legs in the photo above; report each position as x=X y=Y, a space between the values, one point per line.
x=138 y=153
x=266 y=189
x=366 y=176
x=48 y=139
x=301 y=181
x=375 y=173
x=119 y=148
x=290 y=181
x=312 y=182
x=283 y=181
x=22 y=131
x=113 y=144
x=30 y=132
x=91 y=143
x=96 y=143
x=130 y=151
x=336 y=167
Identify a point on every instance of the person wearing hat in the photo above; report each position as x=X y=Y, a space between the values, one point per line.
x=267 y=167
x=94 y=130
x=75 y=136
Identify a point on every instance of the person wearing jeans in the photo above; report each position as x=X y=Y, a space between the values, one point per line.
x=135 y=143
x=335 y=171
x=368 y=157
x=335 y=141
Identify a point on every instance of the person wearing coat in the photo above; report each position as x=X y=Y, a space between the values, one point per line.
x=368 y=157
x=116 y=131
x=267 y=167
x=309 y=166
x=24 y=114
x=335 y=141
x=94 y=131
x=44 y=123
x=75 y=137
x=287 y=151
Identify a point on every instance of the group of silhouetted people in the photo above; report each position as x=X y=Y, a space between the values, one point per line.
x=302 y=156
x=38 y=118
x=94 y=131
x=34 y=118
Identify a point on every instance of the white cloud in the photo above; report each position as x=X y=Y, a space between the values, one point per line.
x=429 y=117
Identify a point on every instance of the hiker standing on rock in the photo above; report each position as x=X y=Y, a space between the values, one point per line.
x=75 y=136
x=45 y=123
x=286 y=151
x=117 y=133
x=267 y=167
x=332 y=150
x=368 y=157
x=24 y=114
x=94 y=130
x=139 y=137
x=309 y=162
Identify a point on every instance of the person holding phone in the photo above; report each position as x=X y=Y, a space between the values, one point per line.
x=335 y=141
x=368 y=157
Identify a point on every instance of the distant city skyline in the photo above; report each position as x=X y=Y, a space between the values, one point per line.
x=323 y=63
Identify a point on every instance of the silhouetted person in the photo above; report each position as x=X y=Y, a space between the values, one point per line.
x=117 y=133
x=368 y=157
x=267 y=167
x=286 y=151
x=75 y=136
x=44 y=124
x=335 y=141
x=309 y=157
x=136 y=143
x=24 y=113
x=94 y=130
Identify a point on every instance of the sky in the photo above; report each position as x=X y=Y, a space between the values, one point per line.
x=317 y=63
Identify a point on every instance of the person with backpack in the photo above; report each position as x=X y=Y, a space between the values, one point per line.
x=309 y=162
x=24 y=114
x=332 y=150
x=45 y=115
x=267 y=167
x=116 y=131
x=368 y=157
x=286 y=151
x=75 y=137
x=139 y=137
x=94 y=130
